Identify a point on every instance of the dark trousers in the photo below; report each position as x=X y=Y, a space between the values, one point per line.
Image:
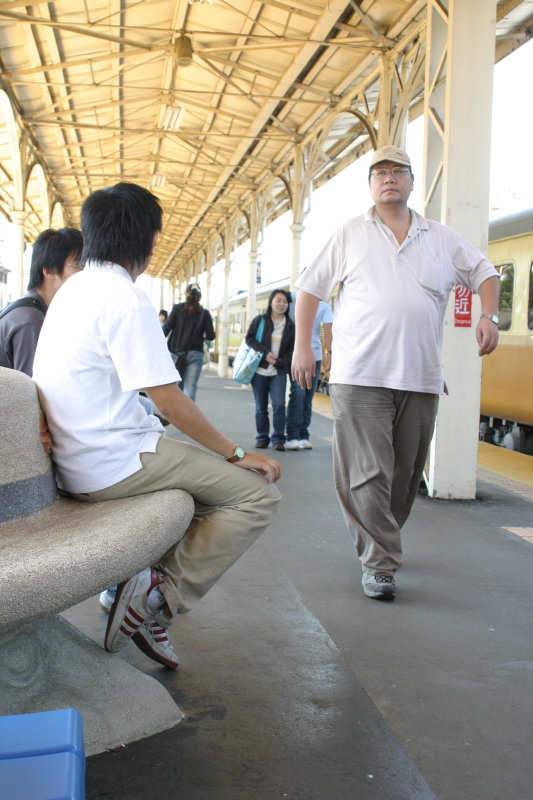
x=275 y=386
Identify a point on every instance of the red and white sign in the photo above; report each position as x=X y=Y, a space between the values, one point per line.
x=463 y=307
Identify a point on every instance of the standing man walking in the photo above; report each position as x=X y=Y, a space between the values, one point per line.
x=395 y=271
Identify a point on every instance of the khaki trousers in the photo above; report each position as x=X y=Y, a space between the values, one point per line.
x=380 y=444
x=232 y=508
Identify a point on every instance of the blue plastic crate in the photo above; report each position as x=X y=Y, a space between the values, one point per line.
x=55 y=776
x=42 y=756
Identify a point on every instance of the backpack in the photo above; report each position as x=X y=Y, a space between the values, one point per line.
x=22 y=302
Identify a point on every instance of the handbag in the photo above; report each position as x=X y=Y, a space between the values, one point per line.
x=248 y=358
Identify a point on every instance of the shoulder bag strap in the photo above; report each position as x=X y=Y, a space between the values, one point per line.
x=28 y=302
x=259 y=331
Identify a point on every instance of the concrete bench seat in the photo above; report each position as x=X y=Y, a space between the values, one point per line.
x=55 y=552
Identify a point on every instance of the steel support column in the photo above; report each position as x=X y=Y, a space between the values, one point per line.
x=458 y=106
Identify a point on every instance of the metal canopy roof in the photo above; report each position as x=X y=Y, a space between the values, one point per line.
x=105 y=91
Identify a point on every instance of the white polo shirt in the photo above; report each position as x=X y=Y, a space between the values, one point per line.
x=101 y=343
x=389 y=312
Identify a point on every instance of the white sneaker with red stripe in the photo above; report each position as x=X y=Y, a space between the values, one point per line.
x=153 y=640
x=130 y=609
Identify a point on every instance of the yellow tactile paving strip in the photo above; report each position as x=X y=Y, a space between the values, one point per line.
x=496 y=465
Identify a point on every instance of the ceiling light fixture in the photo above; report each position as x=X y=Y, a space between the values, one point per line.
x=183 y=51
x=170 y=117
x=157 y=179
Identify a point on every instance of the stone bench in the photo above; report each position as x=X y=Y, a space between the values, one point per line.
x=55 y=552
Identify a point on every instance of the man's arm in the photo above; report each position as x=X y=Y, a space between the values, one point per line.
x=303 y=359
x=185 y=415
x=486 y=330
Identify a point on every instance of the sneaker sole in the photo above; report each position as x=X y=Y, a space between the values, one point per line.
x=112 y=633
x=143 y=645
x=387 y=596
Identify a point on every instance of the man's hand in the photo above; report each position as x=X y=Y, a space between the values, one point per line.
x=260 y=463
x=487 y=336
x=303 y=365
x=46 y=436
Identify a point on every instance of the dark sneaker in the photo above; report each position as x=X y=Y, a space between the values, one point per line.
x=278 y=446
x=130 y=608
x=153 y=640
x=379 y=587
x=262 y=443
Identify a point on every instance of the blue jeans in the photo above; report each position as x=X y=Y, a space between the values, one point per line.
x=275 y=385
x=300 y=408
x=191 y=376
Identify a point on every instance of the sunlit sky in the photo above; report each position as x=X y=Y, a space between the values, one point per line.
x=347 y=194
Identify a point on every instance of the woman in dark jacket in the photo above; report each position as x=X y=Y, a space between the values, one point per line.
x=277 y=344
x=189 y=324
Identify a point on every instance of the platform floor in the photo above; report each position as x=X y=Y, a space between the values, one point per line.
x=296 y=686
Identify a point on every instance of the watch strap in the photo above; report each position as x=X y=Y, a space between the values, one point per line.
x=238 y=455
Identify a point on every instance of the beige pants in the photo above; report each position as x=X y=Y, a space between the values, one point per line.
x=380 y=444
x=233 y=506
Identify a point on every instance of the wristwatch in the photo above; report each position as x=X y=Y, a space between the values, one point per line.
x=493 y=318
x=238 y=455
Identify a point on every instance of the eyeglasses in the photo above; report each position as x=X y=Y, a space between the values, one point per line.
x=396 y=172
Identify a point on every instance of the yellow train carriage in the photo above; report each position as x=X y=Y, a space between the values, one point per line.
x=507 y=382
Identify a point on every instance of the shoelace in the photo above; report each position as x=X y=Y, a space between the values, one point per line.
x=384 y=578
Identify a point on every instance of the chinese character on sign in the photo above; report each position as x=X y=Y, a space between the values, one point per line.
x=463 y=307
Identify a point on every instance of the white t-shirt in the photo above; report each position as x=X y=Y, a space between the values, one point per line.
x=389 y=313
x=100 y=344
x=275 y=344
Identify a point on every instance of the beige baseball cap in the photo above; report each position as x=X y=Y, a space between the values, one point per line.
x=390 y=153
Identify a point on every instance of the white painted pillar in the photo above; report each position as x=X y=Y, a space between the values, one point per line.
x=297 y=230
x=463 y=187
x=252 y=284
x=19 y=218
x=223 y=360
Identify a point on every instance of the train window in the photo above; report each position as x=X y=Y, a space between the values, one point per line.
x=530 y=306
x=505 y=307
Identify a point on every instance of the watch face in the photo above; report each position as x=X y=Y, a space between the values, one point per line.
x=239 y=452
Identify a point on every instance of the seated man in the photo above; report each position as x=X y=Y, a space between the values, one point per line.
x=55 y=257
x=106 y=447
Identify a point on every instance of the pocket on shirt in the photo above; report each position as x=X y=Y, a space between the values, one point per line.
x=429 y=274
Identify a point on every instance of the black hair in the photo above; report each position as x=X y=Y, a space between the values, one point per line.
x=118 y=224
x=164 y=313
x=50 y=251
x=268 y=312
x=193 y=294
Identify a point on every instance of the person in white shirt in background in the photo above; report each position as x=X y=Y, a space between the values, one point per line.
x=395 y=271
x=99 y=346
x=300 y=407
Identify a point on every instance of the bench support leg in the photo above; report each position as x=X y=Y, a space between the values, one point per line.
x=49 y=664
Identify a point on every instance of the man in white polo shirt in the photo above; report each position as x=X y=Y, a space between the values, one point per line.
x=395 y=271
x=101 y=343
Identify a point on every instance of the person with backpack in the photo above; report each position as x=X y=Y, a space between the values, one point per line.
x=189 y=324
x=56 y=256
